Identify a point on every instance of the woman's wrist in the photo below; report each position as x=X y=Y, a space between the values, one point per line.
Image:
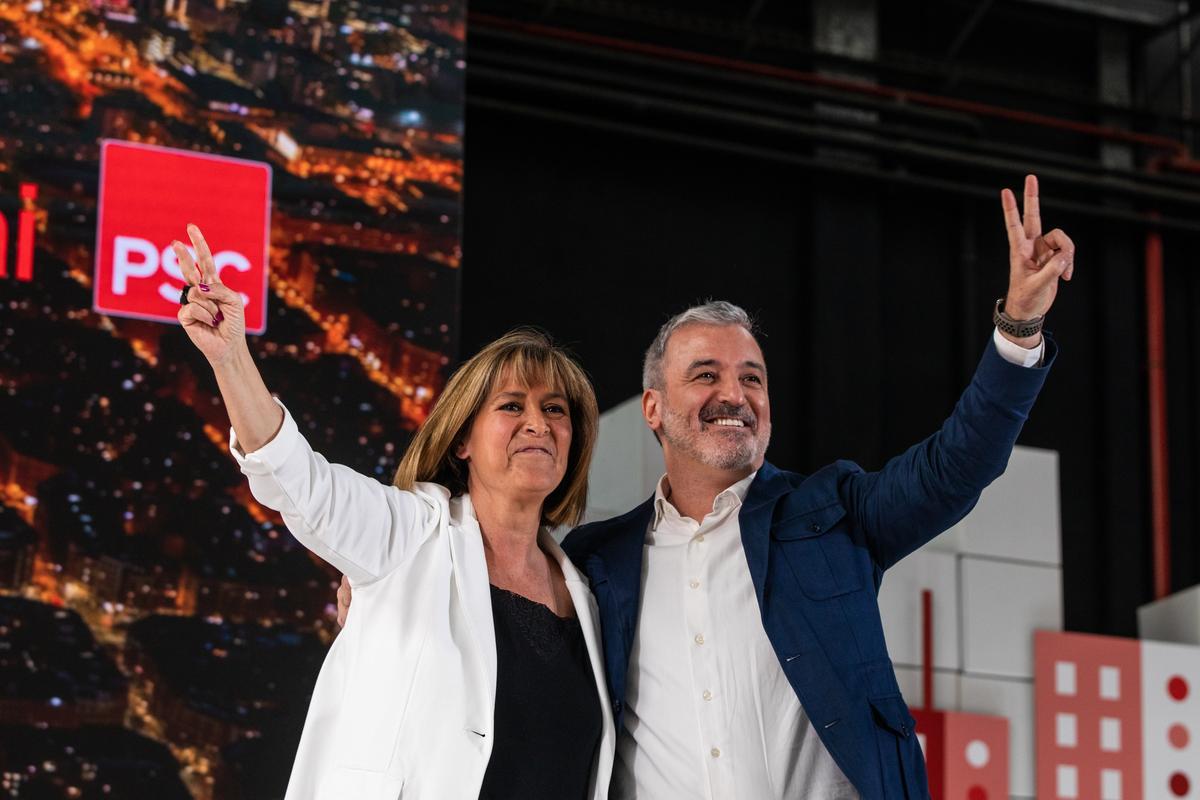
x=235 y=362
x=254 y=415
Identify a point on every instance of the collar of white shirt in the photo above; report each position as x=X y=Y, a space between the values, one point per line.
x=731 y=497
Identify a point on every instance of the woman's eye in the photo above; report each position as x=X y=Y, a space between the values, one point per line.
x=555 y=409
x=512 y=406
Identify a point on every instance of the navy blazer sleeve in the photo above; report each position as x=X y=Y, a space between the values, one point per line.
x=935 y=483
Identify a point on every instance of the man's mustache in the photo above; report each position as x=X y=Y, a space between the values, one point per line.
x=719 y=410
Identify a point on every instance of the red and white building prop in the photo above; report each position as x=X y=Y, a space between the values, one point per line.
x=966 y=755
x=1117 y=719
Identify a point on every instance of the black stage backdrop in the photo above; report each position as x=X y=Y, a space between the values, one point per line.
x=875 y=298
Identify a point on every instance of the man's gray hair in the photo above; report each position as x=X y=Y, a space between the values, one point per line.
x=712 y=312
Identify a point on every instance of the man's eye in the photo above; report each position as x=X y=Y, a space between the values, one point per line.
x=706 y=376
x=753 y=378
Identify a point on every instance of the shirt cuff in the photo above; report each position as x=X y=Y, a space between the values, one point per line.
x=271 y=455
x=1015 y=354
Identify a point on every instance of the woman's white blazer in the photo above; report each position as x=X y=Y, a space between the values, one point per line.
x=404 y=703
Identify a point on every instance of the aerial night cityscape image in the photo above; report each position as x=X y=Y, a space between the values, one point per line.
x=160 y=631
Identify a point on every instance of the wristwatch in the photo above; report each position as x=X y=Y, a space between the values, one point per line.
x=1021 y=328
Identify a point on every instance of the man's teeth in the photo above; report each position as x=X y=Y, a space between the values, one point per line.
x=729 y=423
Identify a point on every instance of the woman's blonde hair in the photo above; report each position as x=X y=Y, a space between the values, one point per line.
x=531 y=358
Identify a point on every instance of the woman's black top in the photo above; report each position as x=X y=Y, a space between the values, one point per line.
x=547 y=709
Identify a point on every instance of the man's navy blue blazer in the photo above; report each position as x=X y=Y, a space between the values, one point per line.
x=817 y=547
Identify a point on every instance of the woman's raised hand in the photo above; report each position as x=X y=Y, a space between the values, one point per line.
x=212 y=317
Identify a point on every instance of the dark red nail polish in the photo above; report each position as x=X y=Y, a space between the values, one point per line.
x=203 y=287
x=219 y=317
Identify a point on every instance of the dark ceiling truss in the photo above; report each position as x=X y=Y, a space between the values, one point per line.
x=776 y=119
x=742 y=30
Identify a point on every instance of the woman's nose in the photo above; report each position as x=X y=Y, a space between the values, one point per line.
x=537 y=424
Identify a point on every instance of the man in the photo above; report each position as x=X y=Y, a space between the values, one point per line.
x=743 y=643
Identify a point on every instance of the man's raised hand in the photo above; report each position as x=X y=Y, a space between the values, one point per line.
x=1036 y=261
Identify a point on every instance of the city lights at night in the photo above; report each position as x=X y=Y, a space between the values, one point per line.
x=131 y=552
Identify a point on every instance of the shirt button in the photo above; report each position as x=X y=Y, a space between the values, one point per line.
x=707 y=695
x=700 y=538
x=715 y=752
x=694 y=584
x=699 y=638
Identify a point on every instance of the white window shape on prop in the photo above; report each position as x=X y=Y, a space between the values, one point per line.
x=978 y=754
x=1110 y=683
x=1066 y=781
x=1064 y=677
x=1110 y=735
x=1066 y=730
x=1110 y=784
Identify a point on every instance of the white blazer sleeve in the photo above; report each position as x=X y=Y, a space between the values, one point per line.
x=354 y=522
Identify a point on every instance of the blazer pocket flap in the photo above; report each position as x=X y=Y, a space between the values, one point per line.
x=892 y=713
x=807 y=524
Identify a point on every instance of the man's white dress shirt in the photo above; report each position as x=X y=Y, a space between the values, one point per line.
x=709 y=712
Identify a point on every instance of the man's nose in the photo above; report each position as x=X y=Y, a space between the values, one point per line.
x=731 y=392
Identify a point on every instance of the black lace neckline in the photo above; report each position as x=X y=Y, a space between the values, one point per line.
x=520 y=599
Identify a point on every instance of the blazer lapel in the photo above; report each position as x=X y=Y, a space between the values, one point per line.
x=585 y=608
x=474 y=590
x=615 y=570
x=589 y=624
x=622 y=556
x=755 y=522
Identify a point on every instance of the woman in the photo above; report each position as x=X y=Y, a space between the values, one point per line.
x=471 y=667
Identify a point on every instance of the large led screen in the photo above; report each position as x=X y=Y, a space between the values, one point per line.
x=160 y=632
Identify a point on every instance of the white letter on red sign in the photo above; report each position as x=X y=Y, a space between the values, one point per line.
x=231 y=258
x=124 y=269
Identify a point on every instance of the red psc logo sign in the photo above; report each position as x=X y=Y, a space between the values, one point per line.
x=147 y=197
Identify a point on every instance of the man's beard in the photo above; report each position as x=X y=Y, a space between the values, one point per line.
x=720 y=452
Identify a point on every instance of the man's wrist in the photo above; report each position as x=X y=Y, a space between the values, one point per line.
x=1017 y=311
x=1027 y=342
x=1017 y=329
x=1017 y=354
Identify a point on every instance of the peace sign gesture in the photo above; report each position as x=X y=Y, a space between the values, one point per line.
x=212 y=316
x=1036 y=261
